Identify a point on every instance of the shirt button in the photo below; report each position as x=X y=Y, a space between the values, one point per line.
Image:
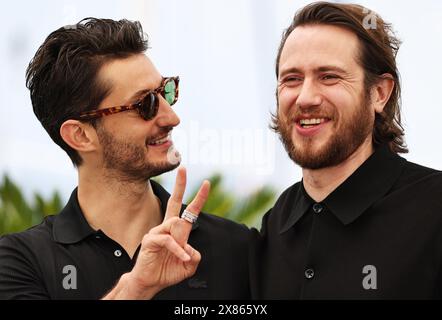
x=317 y=208
x=97 y=237
x=117 y=253
x=309 y=273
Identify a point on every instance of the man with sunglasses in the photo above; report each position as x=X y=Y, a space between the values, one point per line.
x=121 y=235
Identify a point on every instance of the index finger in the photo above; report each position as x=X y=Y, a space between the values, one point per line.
x=176 y=199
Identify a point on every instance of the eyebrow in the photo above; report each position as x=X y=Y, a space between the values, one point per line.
x=319 y=69
x=137 y=95
x=141 y=93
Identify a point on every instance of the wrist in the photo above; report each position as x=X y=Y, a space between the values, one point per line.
x=129 y=288
x=137 y=289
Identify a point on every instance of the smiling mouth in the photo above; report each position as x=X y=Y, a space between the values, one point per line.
x=310 y=123
x=161 y=140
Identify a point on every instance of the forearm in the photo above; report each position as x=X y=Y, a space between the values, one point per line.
x=127 y=289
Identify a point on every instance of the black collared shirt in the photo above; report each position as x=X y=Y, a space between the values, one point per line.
x=377 y=236
x=64 y=258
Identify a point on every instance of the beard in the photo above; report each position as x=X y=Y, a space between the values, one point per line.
x=344 y=141
x=127 y=161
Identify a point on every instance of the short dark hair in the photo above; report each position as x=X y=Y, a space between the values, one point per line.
x=63 y=75
x=378 y=49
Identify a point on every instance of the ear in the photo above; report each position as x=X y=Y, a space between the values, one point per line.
x=78 y=135
x=381 y=92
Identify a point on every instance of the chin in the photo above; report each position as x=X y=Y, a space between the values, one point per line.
x=162 y=167
x=311 y=145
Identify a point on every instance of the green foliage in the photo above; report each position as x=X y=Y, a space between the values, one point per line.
x=18 y=213
x=247 y=210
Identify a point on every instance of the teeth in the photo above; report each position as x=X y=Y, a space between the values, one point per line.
x=311 y=121
x=162 y=140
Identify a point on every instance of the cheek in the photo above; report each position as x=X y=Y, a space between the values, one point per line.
x=286 y=99
x=344 y=103
x=140 y=128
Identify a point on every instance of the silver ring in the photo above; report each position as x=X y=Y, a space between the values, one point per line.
x=189 y=216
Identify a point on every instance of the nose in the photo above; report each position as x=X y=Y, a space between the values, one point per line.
x=309 y=96
x=166 y=117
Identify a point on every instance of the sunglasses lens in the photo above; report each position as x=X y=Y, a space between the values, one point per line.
x=149 y=106
x=170 y=91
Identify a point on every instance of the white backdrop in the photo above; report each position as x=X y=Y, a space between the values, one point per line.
x=224 y=52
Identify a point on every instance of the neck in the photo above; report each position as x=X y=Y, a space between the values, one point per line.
x=124 y=211
x=320 y=183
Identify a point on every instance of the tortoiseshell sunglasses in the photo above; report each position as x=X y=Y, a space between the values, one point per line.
x=147 y=106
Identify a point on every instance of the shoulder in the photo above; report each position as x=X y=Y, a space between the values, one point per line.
x=420 y=177
x=220 y=222
x=221 y=237
x=222 y=227
x=20 y=262
x=419 y=171
x=30 y=240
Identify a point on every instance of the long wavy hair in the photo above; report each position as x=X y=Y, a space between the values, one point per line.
x=377 y=55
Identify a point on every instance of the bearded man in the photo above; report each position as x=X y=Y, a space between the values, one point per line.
x=364 y=223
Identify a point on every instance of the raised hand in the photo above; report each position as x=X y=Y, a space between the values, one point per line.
x=165 y=257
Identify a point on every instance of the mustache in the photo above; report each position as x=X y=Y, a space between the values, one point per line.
x=296 y=114
x=163 y=132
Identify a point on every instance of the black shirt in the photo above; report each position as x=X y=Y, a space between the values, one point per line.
x=377 y=236
x=41 y=263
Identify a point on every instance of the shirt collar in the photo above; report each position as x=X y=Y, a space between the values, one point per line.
x=70 y=225
x=370 y=182
x=297 y=202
